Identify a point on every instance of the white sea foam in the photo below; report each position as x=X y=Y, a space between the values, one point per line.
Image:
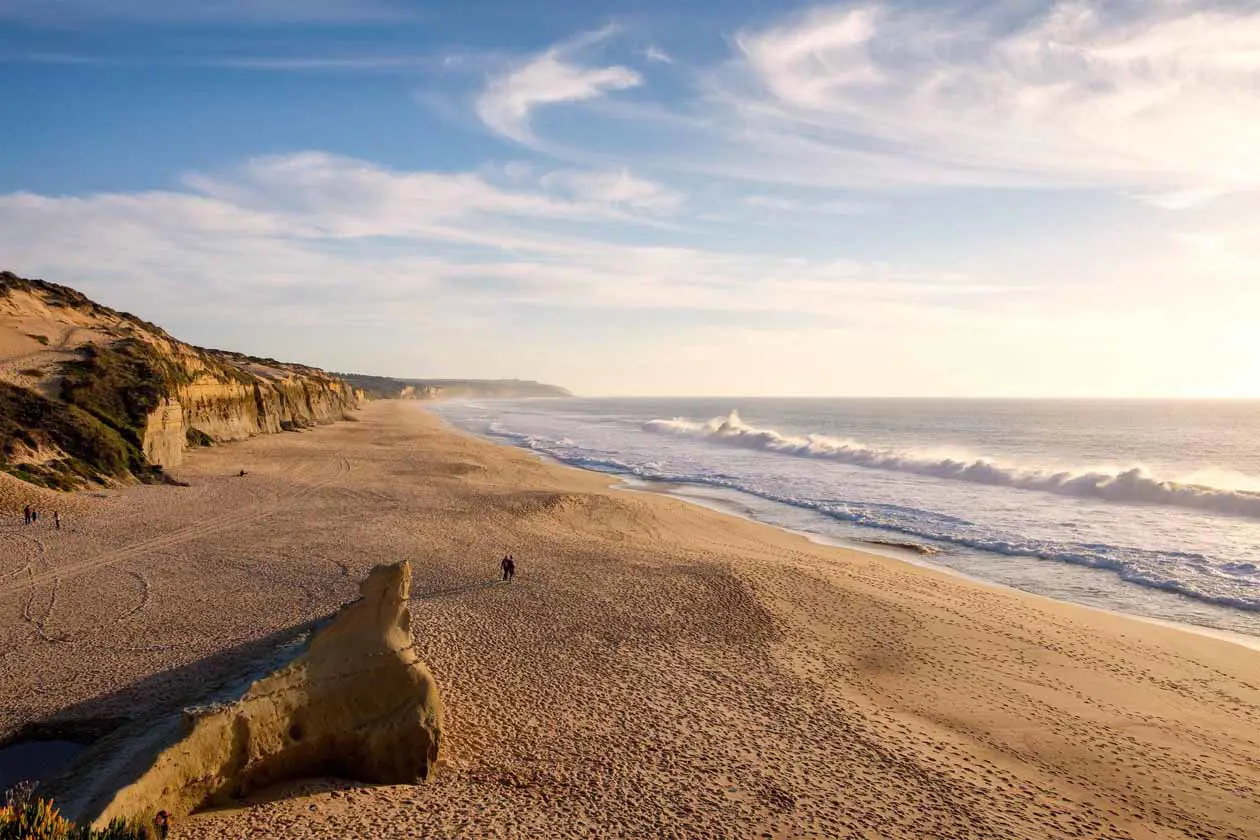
x=1188 y=574
x=1130 y=485
x=988 y=529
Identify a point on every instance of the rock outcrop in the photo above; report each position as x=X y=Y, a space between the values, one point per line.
x=354 y=701
x=103 y=382
x=277 y=400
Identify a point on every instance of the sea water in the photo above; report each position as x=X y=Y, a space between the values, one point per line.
x=1151 y=508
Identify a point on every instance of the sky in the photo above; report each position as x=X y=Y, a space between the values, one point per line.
x=704 y=197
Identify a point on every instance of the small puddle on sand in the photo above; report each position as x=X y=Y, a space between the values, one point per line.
x=35 y=761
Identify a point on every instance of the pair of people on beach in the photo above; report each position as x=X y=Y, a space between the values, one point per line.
x=508 y=565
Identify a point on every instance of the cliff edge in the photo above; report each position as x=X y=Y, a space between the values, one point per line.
x=90 y=394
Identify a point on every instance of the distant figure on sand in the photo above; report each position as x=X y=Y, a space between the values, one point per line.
x=26 y=516
x=34 y=516
x=509 y=568
x=57 y=519
x=241 y=473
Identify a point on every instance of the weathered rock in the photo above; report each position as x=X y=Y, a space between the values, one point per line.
x=354 y=701
x=275 y=400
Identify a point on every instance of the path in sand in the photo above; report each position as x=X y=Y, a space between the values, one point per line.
x=657 y=670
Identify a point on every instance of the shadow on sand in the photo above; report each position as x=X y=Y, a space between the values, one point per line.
x=42 y=749
x=456 y=590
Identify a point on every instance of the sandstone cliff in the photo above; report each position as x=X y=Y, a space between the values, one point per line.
x=354 y=701
x=88 y=393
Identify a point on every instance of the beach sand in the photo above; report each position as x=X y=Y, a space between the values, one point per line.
x=656 y=670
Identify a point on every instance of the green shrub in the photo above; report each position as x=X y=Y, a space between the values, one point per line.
x=31 y=419
x=31 y=818
x=196 y=437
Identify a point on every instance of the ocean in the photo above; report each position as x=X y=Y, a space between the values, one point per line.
x=1146 y=507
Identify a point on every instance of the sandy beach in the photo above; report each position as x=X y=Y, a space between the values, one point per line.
x=657 y=669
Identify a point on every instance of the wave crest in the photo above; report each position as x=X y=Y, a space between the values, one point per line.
x=1133 y=485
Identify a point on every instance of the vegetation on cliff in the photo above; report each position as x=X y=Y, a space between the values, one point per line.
x=31 y=423
x=121 y=385
x=91 y=394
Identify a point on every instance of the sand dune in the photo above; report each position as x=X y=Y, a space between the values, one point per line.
x=657 y=669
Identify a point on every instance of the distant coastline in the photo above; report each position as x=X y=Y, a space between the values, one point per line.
x=388 y=387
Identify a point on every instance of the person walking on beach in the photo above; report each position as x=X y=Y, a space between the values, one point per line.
x=34 y=516
x=26 y=515
x=509 y=568
x=57 y=519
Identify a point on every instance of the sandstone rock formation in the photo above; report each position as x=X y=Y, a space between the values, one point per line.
x=354 y=701
x=278 y=399
x=89 y=393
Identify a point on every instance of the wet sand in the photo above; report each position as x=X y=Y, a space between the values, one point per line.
x=656 y=670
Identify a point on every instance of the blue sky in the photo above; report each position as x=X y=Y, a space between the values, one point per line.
x=945 y=198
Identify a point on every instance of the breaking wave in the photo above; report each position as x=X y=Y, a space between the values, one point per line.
x=1185 y=573
x=1133 y=485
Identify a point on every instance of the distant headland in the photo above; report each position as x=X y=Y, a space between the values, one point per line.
x=385 y=387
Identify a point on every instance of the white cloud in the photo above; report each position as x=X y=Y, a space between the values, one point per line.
x=1150 y=99
x=508 y=100
x=343 y=263
x=619 y=188
x=779 y=204
x=318 y=195
x=1181 y=199
x=315 y=231
x=1158 y=95
x=655 y=53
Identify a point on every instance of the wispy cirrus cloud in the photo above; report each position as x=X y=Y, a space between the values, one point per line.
x=195 y=12
x=1152 y=99
x=655 y=53
x=1077 y=93
x=332 y=63
x=323 y=195
x=1183 y=199
x=553 y=77
x=794 y=206
x=617 y=188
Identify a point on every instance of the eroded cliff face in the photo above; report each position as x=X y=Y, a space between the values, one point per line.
x=233 y=410
x=91 y=394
